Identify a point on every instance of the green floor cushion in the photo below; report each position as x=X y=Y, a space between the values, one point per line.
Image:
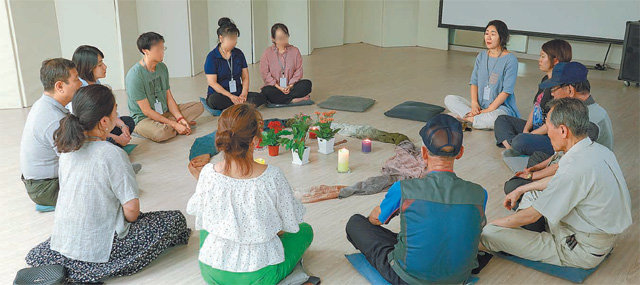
x=301 y=103
x=347 y=103
x=416 y=111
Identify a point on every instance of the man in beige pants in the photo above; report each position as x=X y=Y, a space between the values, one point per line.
x=157 y=115
x=586 y=203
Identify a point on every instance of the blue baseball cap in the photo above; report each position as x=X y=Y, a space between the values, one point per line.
x=566 y=73
x=442 y=135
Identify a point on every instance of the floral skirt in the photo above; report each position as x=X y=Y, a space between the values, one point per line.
x=148 y=237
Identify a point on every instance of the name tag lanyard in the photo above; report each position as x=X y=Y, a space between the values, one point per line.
x=283 y=79
x=487 y=88
x=232 y=82
x=157 y=105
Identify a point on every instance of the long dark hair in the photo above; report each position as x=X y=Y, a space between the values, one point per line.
x=90 y=104
x=86 y=59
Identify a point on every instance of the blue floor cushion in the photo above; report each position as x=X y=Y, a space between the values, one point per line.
x=575 y=275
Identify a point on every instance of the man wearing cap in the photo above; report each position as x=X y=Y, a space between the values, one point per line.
x=586 y=203
x=441 y=217
x=568 y=79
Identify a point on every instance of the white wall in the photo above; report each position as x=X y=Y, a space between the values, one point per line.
x=35 y=31
x=429 y=35
x=326 y=23
x=199 y=34
x=261 y=37
x=400 y=23
x=92 y=23
x=171 y=20
x=294 y=14
x=128 y=30
x=9 y=84
x=240 y=12
x=394 y=23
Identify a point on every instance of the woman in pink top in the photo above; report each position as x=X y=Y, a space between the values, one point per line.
x=281 y=70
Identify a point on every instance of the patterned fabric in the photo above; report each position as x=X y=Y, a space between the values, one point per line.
x=243 y=217
x=148 y=237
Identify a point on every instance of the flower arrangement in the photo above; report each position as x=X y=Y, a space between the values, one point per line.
x=324 y=130
x=299 y=128
x=271 y=136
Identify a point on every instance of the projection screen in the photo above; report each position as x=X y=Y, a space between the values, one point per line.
x=586 y=20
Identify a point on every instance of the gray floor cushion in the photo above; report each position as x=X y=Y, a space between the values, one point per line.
x=347 y=103
x=416 y=111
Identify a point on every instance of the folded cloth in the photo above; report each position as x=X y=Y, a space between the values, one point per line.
x=406 y=163
x=369 y=132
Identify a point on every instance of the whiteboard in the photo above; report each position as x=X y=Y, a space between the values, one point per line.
x=591 y=20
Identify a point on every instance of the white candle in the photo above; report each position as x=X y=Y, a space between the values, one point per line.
x=343 y=160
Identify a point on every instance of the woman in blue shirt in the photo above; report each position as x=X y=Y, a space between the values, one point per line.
x=492 y=82
x=227 y=72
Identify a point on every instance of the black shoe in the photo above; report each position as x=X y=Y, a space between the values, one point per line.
x=483 y=260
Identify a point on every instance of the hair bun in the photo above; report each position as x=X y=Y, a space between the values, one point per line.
x=224 y=21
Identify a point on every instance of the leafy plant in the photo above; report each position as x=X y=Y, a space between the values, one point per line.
x=271 y=136
x=324 y=130
x=299 y=128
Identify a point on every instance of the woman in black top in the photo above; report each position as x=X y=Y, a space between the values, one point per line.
x=529 y=136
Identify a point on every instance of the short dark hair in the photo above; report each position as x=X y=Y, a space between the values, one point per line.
x=54 y=70
x=559 y=49
x=86 y=59
x=227 y=27
x=580 y=87
x=90 y=104
x=280 y=26
x=503 y=31
x=570 y=112
x=147 y=40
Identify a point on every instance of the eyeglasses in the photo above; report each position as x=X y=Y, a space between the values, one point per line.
x=554 y=89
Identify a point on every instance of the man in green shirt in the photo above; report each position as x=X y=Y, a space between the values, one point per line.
x=157 y=115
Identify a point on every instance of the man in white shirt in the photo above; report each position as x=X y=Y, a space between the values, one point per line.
x=586 y=203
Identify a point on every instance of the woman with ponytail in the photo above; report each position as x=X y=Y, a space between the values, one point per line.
x=227 y=72
x=99 y=231
x=251 y=228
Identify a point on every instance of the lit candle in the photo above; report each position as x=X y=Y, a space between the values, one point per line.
x=312 y=134
x=366 y=145
x=343 y=160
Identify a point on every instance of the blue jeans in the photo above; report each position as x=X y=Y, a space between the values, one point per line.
x=527 y=144
x=508 y=128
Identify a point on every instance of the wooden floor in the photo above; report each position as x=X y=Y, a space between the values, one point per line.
x=389 y=75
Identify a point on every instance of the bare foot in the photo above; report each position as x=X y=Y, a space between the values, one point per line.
x=305 y=98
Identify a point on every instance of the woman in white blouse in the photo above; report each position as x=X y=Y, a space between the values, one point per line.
x=99 y=231
x=251 y=228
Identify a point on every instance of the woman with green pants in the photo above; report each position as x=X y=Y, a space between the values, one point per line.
x=251 y=226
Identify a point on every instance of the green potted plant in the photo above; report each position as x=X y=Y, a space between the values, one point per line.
x=271 y=137
x=324 y=132
x=296 y=143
